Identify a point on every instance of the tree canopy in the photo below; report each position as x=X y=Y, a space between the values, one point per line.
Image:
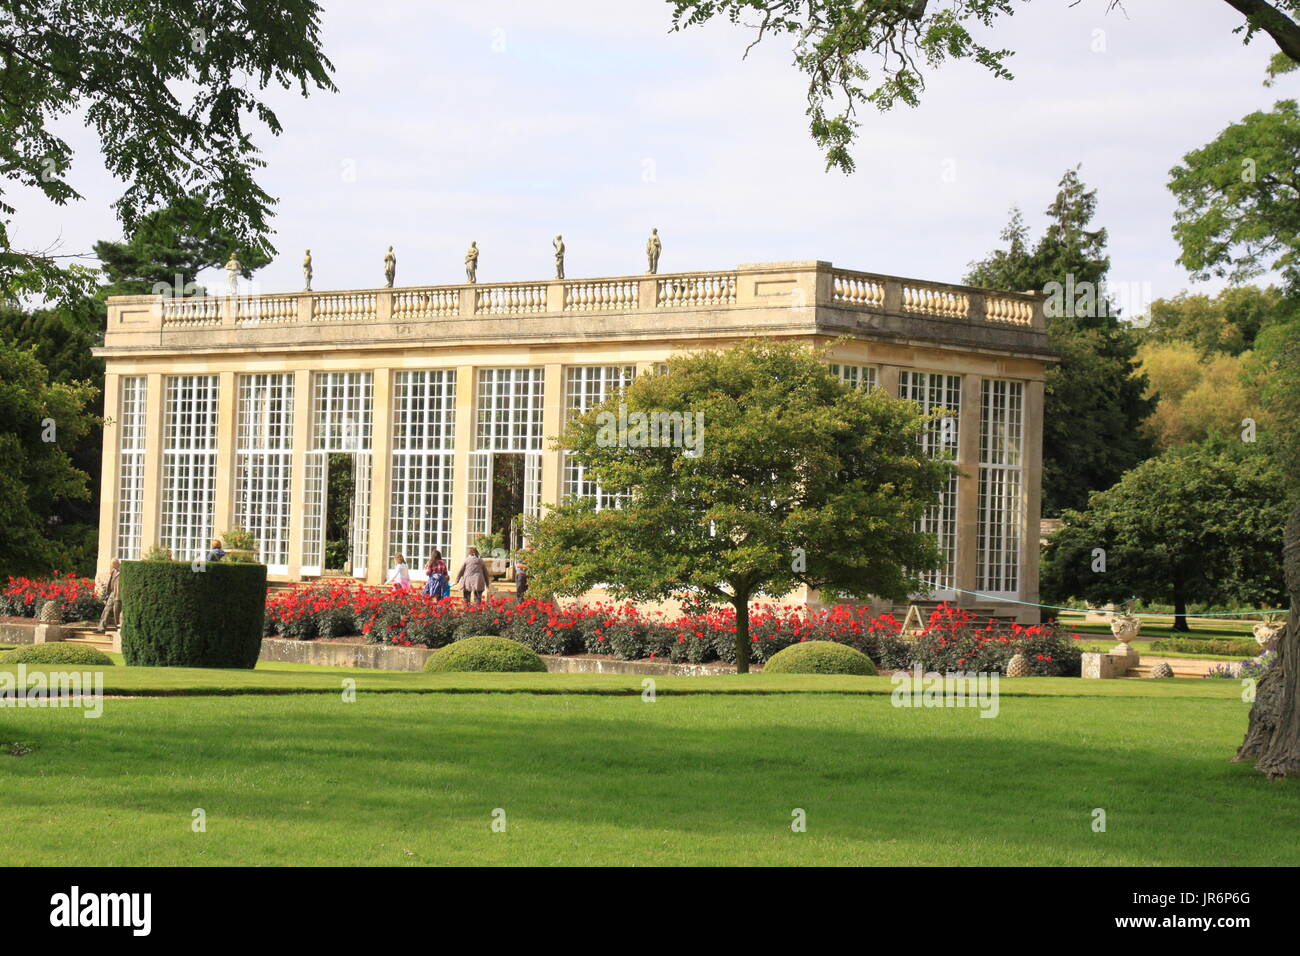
x=39 y=422
x=875 y=52
x=1197 y=396
x=795 y=480
x=170 y=247
x=1197 y=524
x=1226 y=323
x=169 y=87
x=1096 y=380
x=1239 y=199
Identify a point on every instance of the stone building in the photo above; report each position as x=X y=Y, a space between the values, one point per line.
x=432 y=408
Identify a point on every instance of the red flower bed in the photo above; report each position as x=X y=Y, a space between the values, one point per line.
x=951 y=641
x=23 y=597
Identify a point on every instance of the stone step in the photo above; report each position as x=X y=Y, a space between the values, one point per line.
x=99 y=642
x=1180 y=667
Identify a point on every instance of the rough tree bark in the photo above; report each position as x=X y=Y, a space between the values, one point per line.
x=1273 y=735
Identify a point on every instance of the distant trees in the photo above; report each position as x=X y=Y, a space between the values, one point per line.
x=1197 y=524
x=1227 y=323
x=1197 y=396
x=1095 y=397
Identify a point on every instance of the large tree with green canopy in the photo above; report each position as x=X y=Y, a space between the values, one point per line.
x=40 y=422
x=875 y=52
x=1237 y=217
x=792 y=479
x=169 y=87
x=1197 y=524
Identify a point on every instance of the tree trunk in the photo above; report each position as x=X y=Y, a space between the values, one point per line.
x=742 y=634
x=1180 y=610
x=1273 y=735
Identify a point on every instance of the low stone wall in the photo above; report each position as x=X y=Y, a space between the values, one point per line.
x=388 y=658
x=608 y=665
x=17 y=633
x=328 y=654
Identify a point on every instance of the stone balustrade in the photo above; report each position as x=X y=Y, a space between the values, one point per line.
x=801 y=284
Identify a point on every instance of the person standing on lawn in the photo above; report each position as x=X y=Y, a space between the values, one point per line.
x=472 y=577
x=112 y=616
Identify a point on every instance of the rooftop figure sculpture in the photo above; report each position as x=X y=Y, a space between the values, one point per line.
x=471 y=263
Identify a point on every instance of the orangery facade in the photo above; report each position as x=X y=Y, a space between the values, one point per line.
x=342 y=428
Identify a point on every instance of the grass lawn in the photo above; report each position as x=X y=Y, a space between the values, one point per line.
x=589 y=773
x=1153 y=630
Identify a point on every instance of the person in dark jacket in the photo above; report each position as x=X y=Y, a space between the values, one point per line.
x=521 y=573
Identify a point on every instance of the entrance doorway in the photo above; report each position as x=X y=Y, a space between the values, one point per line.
x=504 y=488
x=336 y=513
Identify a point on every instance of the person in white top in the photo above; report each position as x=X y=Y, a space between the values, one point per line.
x=400 y=576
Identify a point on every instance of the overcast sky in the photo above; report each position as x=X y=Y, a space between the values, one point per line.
x=507 y=121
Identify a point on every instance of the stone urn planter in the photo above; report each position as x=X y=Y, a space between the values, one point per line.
x=496 y=567
x=1267 y=632
x=241 y=556
x=1126 y=628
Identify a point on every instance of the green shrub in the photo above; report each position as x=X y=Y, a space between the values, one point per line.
x=58 y=653
x=173 y=616
x=485 y=653
x=1223 y=646
x=819 y=657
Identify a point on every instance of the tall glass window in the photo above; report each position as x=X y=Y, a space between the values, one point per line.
x=1001 y=502
x=342 y=409
x=264 y=464
x=132 y=392
x=932 y=390
x=585 y=387
x=510 y=409
x=189 y=464
x=855 y=376
x=424 y=444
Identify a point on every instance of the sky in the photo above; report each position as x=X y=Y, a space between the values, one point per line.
x=509 y=121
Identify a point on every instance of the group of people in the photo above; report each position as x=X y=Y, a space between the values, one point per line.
x=471 y=577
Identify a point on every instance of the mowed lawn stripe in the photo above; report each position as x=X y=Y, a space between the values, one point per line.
x=414 y=779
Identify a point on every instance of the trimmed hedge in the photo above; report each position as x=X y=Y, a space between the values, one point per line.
x=174 y=616
x=1225 y=646
x=819 y=657
x=484 y=653
x=56 y=653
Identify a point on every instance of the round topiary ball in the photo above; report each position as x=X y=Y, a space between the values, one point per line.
x=819 y=657
x=485 y=653
x=57 y=653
